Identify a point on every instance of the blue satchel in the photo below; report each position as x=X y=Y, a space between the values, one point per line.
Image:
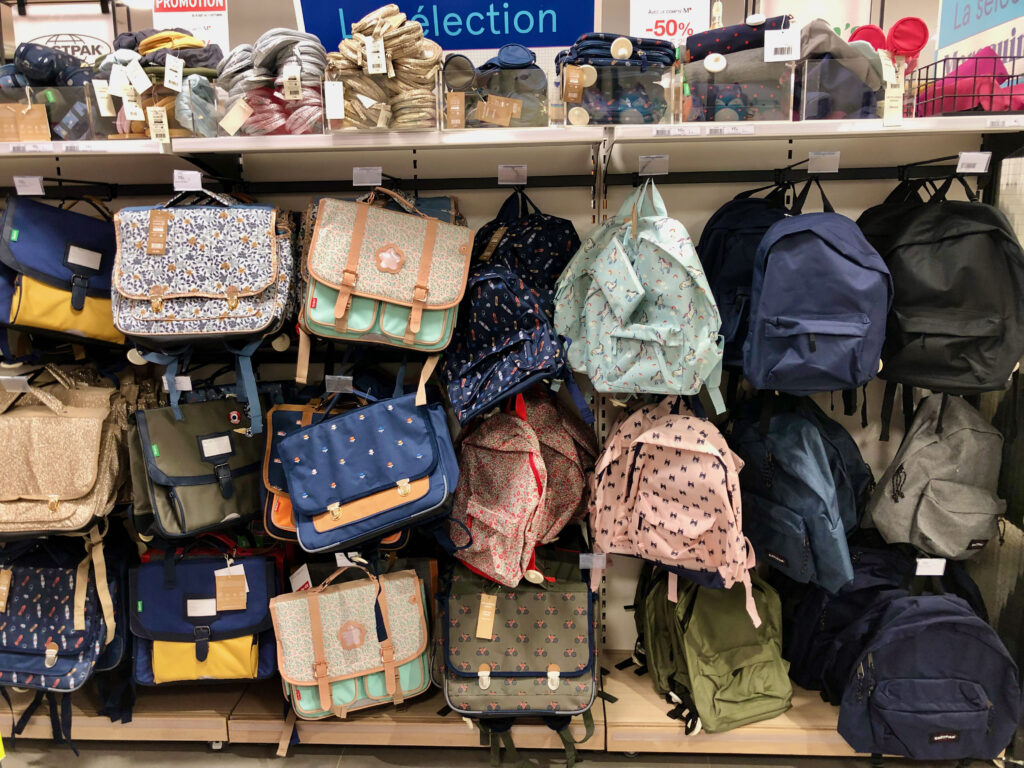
x=369 y=472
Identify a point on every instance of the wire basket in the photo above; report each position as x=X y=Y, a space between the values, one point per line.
x=984 y=82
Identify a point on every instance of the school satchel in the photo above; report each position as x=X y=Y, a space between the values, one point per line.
x=63 y=457
x=195 y=475
x=383 y=276
x=55 y=268
x=190 y=624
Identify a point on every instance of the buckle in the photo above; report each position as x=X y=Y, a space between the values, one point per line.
x=335 y=510
x=387 y=652
x=403 y=487
x=201 y=633
x=346 y=280
x=416 y=293
x=483 y=675
x=79 y=280
x=319 y=669
x=52 y=502
x=50 y=658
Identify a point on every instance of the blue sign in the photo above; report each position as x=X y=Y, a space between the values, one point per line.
x=960 y=19
x=461 y=24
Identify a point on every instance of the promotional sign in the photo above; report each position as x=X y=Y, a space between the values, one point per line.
x=205 y=19
x=77 y=29
x=673 y=21
x=965 y=26
x=460 y=24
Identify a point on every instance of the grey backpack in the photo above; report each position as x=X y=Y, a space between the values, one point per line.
x=939 y=493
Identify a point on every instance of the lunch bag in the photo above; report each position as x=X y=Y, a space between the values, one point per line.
x=195 y=475
x=55 y=268
x=181 y=630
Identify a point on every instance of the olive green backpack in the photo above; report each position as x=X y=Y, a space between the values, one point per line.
x=706 y=657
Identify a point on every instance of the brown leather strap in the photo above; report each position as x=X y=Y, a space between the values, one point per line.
x=284 y=740
x=302 y=363
x=409 y=207
x=419 y=293
x=99 y=566
x=319 y=652
x=425 y=374
x=350 y=273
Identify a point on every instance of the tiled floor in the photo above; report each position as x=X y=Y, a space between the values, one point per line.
x=101 y=755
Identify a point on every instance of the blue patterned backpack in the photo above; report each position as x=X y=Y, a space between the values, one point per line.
x=504 y=343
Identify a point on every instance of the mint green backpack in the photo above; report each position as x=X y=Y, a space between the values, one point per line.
x=637 y=306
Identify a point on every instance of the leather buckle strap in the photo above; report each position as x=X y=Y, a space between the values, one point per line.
x=223 y=473
x=319 y=669
x=201 y=636
x=79 y=287
x=349 y=277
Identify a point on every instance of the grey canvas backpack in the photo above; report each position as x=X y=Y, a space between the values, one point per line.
x=939 y=493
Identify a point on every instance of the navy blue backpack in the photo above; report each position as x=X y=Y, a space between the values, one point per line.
x=504 y=343
x=934 y=683
x=819 y=301
x=726 y=249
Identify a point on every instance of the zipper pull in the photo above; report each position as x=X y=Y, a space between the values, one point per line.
x=813 y=342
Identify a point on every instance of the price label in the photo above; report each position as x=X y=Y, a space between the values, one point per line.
x=132 y=108
x=29 y=185
x=173 y=72
x=292 y=82
x=512 y=174
x=334 y=99
x=823 y=162
x=888 y=68
x=138 y=78
x=118 y=80
x=677 y=130
x=181 y=383
x=667 y=20
x=367 y=176
x=188 y=181
x=572 y=88
x=931 y=566
x=495 y=110
x=104 y=102
x=456 y=112
x=376 y=61
x=973 y=162
x=653 y=165
x=240 y=112
x=892 y=105
x=158 y=128
x=782 y=44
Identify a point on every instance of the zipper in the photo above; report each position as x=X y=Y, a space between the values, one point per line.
x=179 y=512
x=813 y=342
x=871 y=674
x=860 y=681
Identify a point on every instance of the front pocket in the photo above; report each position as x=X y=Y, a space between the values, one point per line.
x=780 y=537
x=930 y=719
x=41 y=306
x=955 y=520
x=816 y=354
x=234 y=659
x=945 y=346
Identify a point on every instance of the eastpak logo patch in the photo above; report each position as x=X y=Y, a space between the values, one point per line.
x=944 y=737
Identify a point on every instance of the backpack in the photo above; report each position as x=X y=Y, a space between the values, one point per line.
x=503 y=345
x=666 y=489
x=523 y=478
x=726 y=248
x=806 y=341
x=934 y=683
x=939 y=493
x=636 y=305
x=535 y=246
x=957 y=323
x=793 y=515
x=703 y=653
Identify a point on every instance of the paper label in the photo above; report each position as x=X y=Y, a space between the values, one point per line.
x=188 y=181
x=888 y=68
x=83 y=257
x=181 y=383
x=118 y=81
x=595 y=561
x=292 y=74
x=214 y=447
x=137 y=77
x=300 y=580
x=973 y=162
x=334 y=99
x=201 y=607
x=156 y=240
x=338 y=383
x=376 y=62
x=653 y=165
x=231 y=593
x=14 y=383
x=456 y=109
x=29 y=185
x=782 y=44
x=104 y=102
x=496 y=110
x=172 y=72
x=515 y=106
x=823 y=162
x=485 y=621
x=367 y=176
x=132 y=108
x=677 y=130
x=673 y=587
x=931 y=566
x=512 y=174
x=233 y=570
x=5 y=588
x=493 y=243
x=158 y=128
x=892 y=104
x=240 y=112
x=342 y=560
x=572 y=84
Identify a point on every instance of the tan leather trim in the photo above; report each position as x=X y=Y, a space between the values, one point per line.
x=350 y=275
x=302 y=361
x=370 y=505
x=281 y=513
x=425 y=373
x=316 y=630
x=421 y=292
x=274 y=255
x=285 y=737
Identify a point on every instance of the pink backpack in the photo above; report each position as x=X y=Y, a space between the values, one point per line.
x=666 y=489
x=522 y=478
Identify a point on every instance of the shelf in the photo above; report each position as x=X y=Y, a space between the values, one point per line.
x=112 y=147
x=637 y=722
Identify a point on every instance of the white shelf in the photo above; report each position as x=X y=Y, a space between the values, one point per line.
x=111 y=147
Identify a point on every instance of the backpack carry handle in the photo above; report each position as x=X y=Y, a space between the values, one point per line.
x=409 y=207
x=647 y=203
x=941 y=192
x=798 y=204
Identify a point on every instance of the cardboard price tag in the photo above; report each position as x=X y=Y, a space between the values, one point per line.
x=376 y=61
x=782 y=44
x=292 y=82
x=104 y=102
x=572 y=84
x=118 y=80
x=132 y=108
x=5 y=588
x=138 y=78
x=231 y=593
x=515 y=105
x=173 y=72
x=240 y=112
x=456 y=109
x=233 y=570
x=496 y=110
x=158 y=128
x=485 y=621
x=29 y=185
x=334 y=99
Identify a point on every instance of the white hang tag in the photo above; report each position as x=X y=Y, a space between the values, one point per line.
x=240 y=112
x=233 y=570
x=973 y=162
x=158 y=128
x=137 y=77
x=14 y=383
x=29 y=185
x=653 y=165
x=188 y=181
x=823 y=162
x=342 y=560
x=889 y=76
x=173 y=69
x=512 y=174
x=181 y=383
x=334 y=99
x=367 y=176
x=132 y=108
x=292 y=74
x=892 y=104
x=782 y=44
x=104 y=102
x=118 y=81
x=931 y=566
x=300 y=580
x=376 y=61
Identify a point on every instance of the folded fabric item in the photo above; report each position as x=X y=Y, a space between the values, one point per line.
x=834 y=92
x=974 y=84
x=131 y=40
x=278 y=47
x=208 y=56
x=196 y=106
x=123 y=56
x=818 y=39
x=170 y=40
x=730 y=39
x=10 y=77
